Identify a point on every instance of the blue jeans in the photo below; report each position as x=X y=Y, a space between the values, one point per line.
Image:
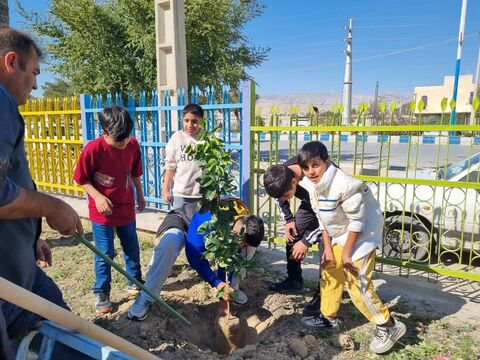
x=104 y=236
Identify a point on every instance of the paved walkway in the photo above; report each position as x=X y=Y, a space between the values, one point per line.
x=446 y=297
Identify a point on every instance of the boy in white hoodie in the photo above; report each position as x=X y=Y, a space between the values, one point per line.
x=352 y=223
x=181 y=168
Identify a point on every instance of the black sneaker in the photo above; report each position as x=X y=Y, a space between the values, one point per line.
x=320 y=323
x=102 y=303
x=313 y=306
x=288 y=286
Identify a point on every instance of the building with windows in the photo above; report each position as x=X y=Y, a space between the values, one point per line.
x=432 y=95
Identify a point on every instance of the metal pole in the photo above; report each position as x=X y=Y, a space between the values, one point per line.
x=246 y=141
x=347 y=79
x=459 y=57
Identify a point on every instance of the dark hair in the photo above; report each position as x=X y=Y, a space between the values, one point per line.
x=312 y=150
x=18 y=42
x=194 y=109
x=254 y=230
x=278 y=180
x=116 y=122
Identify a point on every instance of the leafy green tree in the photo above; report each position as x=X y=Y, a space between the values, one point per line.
x=58 y=88
x=109 y=45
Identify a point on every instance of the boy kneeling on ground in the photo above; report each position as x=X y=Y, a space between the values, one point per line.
x=181 y=225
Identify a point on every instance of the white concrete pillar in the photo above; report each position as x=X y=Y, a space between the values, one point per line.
x=171 y=50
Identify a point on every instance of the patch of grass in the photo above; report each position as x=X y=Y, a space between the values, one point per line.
x=418 y=352
x=465 y=328
x=322 y=335
x=360 y=337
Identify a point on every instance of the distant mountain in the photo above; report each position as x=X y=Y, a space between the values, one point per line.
x=322 y=100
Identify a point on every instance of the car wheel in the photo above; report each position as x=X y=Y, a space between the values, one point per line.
x=415 y=243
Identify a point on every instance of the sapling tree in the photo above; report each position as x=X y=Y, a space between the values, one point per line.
x=216 y=182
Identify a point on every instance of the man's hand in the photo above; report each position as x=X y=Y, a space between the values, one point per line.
x=348 y=264
x=167 y=197
x=43 y=252
x=290 y=231
x=299 y=251
x=64 y=219
x=141 y=203
x=227 y=290
x=104 y=205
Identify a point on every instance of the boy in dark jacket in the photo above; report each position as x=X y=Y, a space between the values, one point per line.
x=283 y=182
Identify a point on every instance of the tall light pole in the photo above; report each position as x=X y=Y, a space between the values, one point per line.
x=347 y=79
x=461 y=32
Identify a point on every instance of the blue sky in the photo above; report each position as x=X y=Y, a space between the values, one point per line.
x=400 y=43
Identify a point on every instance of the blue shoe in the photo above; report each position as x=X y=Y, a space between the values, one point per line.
x=239 y=297
x=139 y=309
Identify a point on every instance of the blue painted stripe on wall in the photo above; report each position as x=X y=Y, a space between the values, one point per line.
x=382 y=138
x=427 y=139
x=325 y=137
x=404 y=139
x=454 y=140
x=476 y=140
x=343 y=138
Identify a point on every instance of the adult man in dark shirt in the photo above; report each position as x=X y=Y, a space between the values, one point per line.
x=21 y=207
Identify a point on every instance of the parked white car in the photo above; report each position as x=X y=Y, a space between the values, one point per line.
x=434 y=218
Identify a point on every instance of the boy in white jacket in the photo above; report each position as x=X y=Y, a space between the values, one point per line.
x=352 y=223
x=181 y=168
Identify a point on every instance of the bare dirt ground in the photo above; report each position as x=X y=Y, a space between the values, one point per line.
x=270 y=321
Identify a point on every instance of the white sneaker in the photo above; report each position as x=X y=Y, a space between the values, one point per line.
x=385 y=337
x=239 y=297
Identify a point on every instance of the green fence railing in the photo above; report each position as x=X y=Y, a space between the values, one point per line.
x=425 y=177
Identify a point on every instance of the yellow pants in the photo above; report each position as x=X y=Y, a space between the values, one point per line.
x=360 y=288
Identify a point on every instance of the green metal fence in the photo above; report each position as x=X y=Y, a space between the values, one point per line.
x=425 y=177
